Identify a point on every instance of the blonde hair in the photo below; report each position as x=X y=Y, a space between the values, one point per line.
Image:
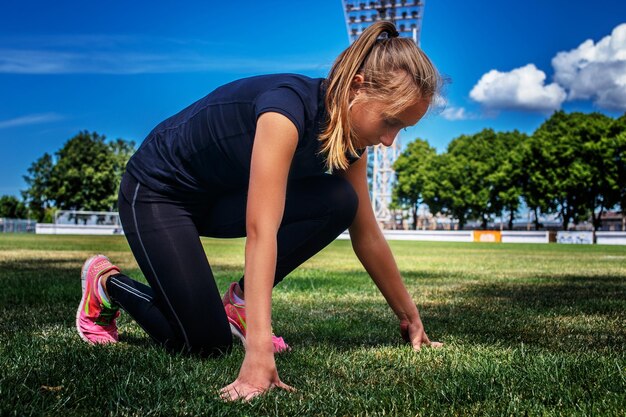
x=395 y=71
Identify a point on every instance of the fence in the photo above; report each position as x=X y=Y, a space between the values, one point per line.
x=107 y=223
x=87 y=218
x=17 y=225
x=80 y=222
x=77 y=229
x=611 y=238
x=505 y=236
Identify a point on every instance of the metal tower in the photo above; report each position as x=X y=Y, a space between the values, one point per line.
x=407 y=16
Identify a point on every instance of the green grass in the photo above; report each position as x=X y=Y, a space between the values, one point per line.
x=528 y=330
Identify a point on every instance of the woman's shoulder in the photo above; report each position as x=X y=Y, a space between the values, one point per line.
x=250 y=88
x=269 y=81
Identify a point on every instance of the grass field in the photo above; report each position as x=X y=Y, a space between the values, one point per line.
x=528 y=330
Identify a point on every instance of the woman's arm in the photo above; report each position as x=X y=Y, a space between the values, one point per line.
x=274 y=145
x=372 y=249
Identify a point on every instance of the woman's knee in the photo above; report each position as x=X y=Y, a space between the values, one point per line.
x=201 y=349
x=210 y=345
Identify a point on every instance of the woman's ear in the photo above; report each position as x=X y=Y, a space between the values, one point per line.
x=357 y=82
x=355 y=86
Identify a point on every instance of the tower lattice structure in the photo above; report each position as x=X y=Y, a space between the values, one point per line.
x=407 y=16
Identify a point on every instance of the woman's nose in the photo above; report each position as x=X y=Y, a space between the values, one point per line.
x=388 y=138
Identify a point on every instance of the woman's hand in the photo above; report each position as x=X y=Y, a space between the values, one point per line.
x=258 y=374
x=413 y=332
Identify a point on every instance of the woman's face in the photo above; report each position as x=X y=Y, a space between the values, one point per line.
x=373 y=126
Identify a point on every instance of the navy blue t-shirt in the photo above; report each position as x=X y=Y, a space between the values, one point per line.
x=207 y=147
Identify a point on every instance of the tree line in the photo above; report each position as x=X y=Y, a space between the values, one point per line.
x=83 y=175
x=573 y=165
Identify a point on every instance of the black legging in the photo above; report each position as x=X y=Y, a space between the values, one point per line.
x=182 y=308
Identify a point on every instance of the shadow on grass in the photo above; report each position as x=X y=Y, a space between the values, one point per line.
x=587 y=295
x=572 y=313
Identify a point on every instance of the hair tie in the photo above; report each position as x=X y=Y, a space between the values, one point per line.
x=389 y=33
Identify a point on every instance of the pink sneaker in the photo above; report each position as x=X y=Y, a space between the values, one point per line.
x=236 y=314
x=95 y=318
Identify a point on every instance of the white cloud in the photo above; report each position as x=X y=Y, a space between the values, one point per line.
x=440 y=107
x=455 y=113
x=523 y=88
x=31 y=119
x=595 y=71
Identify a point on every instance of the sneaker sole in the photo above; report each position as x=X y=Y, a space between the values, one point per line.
x=83 y=273
x=235 y=331
x=83 y=280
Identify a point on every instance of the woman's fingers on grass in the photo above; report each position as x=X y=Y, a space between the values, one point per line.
x=237 y=392
x=424 y=341
x=286 y=387
x=227 y=388
x=227 y=393
x=417 y=344
x=251 y=395
x=419 y=340
x=245 y=392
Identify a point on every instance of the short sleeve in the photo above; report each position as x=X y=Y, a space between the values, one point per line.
x=285 y=101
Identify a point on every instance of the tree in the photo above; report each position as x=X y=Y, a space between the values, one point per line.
x=11 y=207
x=462 y=181
x=444 y=193
x=122 y=151
x=617 y=139
x=601 y=150
x=508 y=178
x=412 y=170
x=38 y=196
x=537 y=179
x=570 y=157
x=85 y=175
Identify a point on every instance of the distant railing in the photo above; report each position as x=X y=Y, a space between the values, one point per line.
x=78 y=229
x=81 y=222
x=87 y=218
x=17 y=225
x=505 y=236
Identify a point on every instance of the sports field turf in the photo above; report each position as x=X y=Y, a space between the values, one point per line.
x=528 y=330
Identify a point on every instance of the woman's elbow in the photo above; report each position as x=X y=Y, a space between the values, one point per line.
x=259 y=231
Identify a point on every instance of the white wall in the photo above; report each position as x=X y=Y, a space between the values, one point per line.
x=611 y=238
x=512 y=236
x=603 y=238
x=425 y=235
x=74 y=229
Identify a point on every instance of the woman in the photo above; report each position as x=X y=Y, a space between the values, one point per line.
x=280 y=159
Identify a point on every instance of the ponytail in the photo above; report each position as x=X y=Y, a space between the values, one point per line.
x=382 y=40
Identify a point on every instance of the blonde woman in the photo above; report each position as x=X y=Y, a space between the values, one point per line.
x=280 y=159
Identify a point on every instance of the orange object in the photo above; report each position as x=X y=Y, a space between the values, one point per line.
x=487 y=236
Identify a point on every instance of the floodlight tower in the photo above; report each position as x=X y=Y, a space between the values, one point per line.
x=407 y=16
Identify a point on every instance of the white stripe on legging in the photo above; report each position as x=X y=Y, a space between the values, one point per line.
x=125 y=287
x=156 y=278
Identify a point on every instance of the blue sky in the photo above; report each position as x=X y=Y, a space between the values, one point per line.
x=119 y=68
